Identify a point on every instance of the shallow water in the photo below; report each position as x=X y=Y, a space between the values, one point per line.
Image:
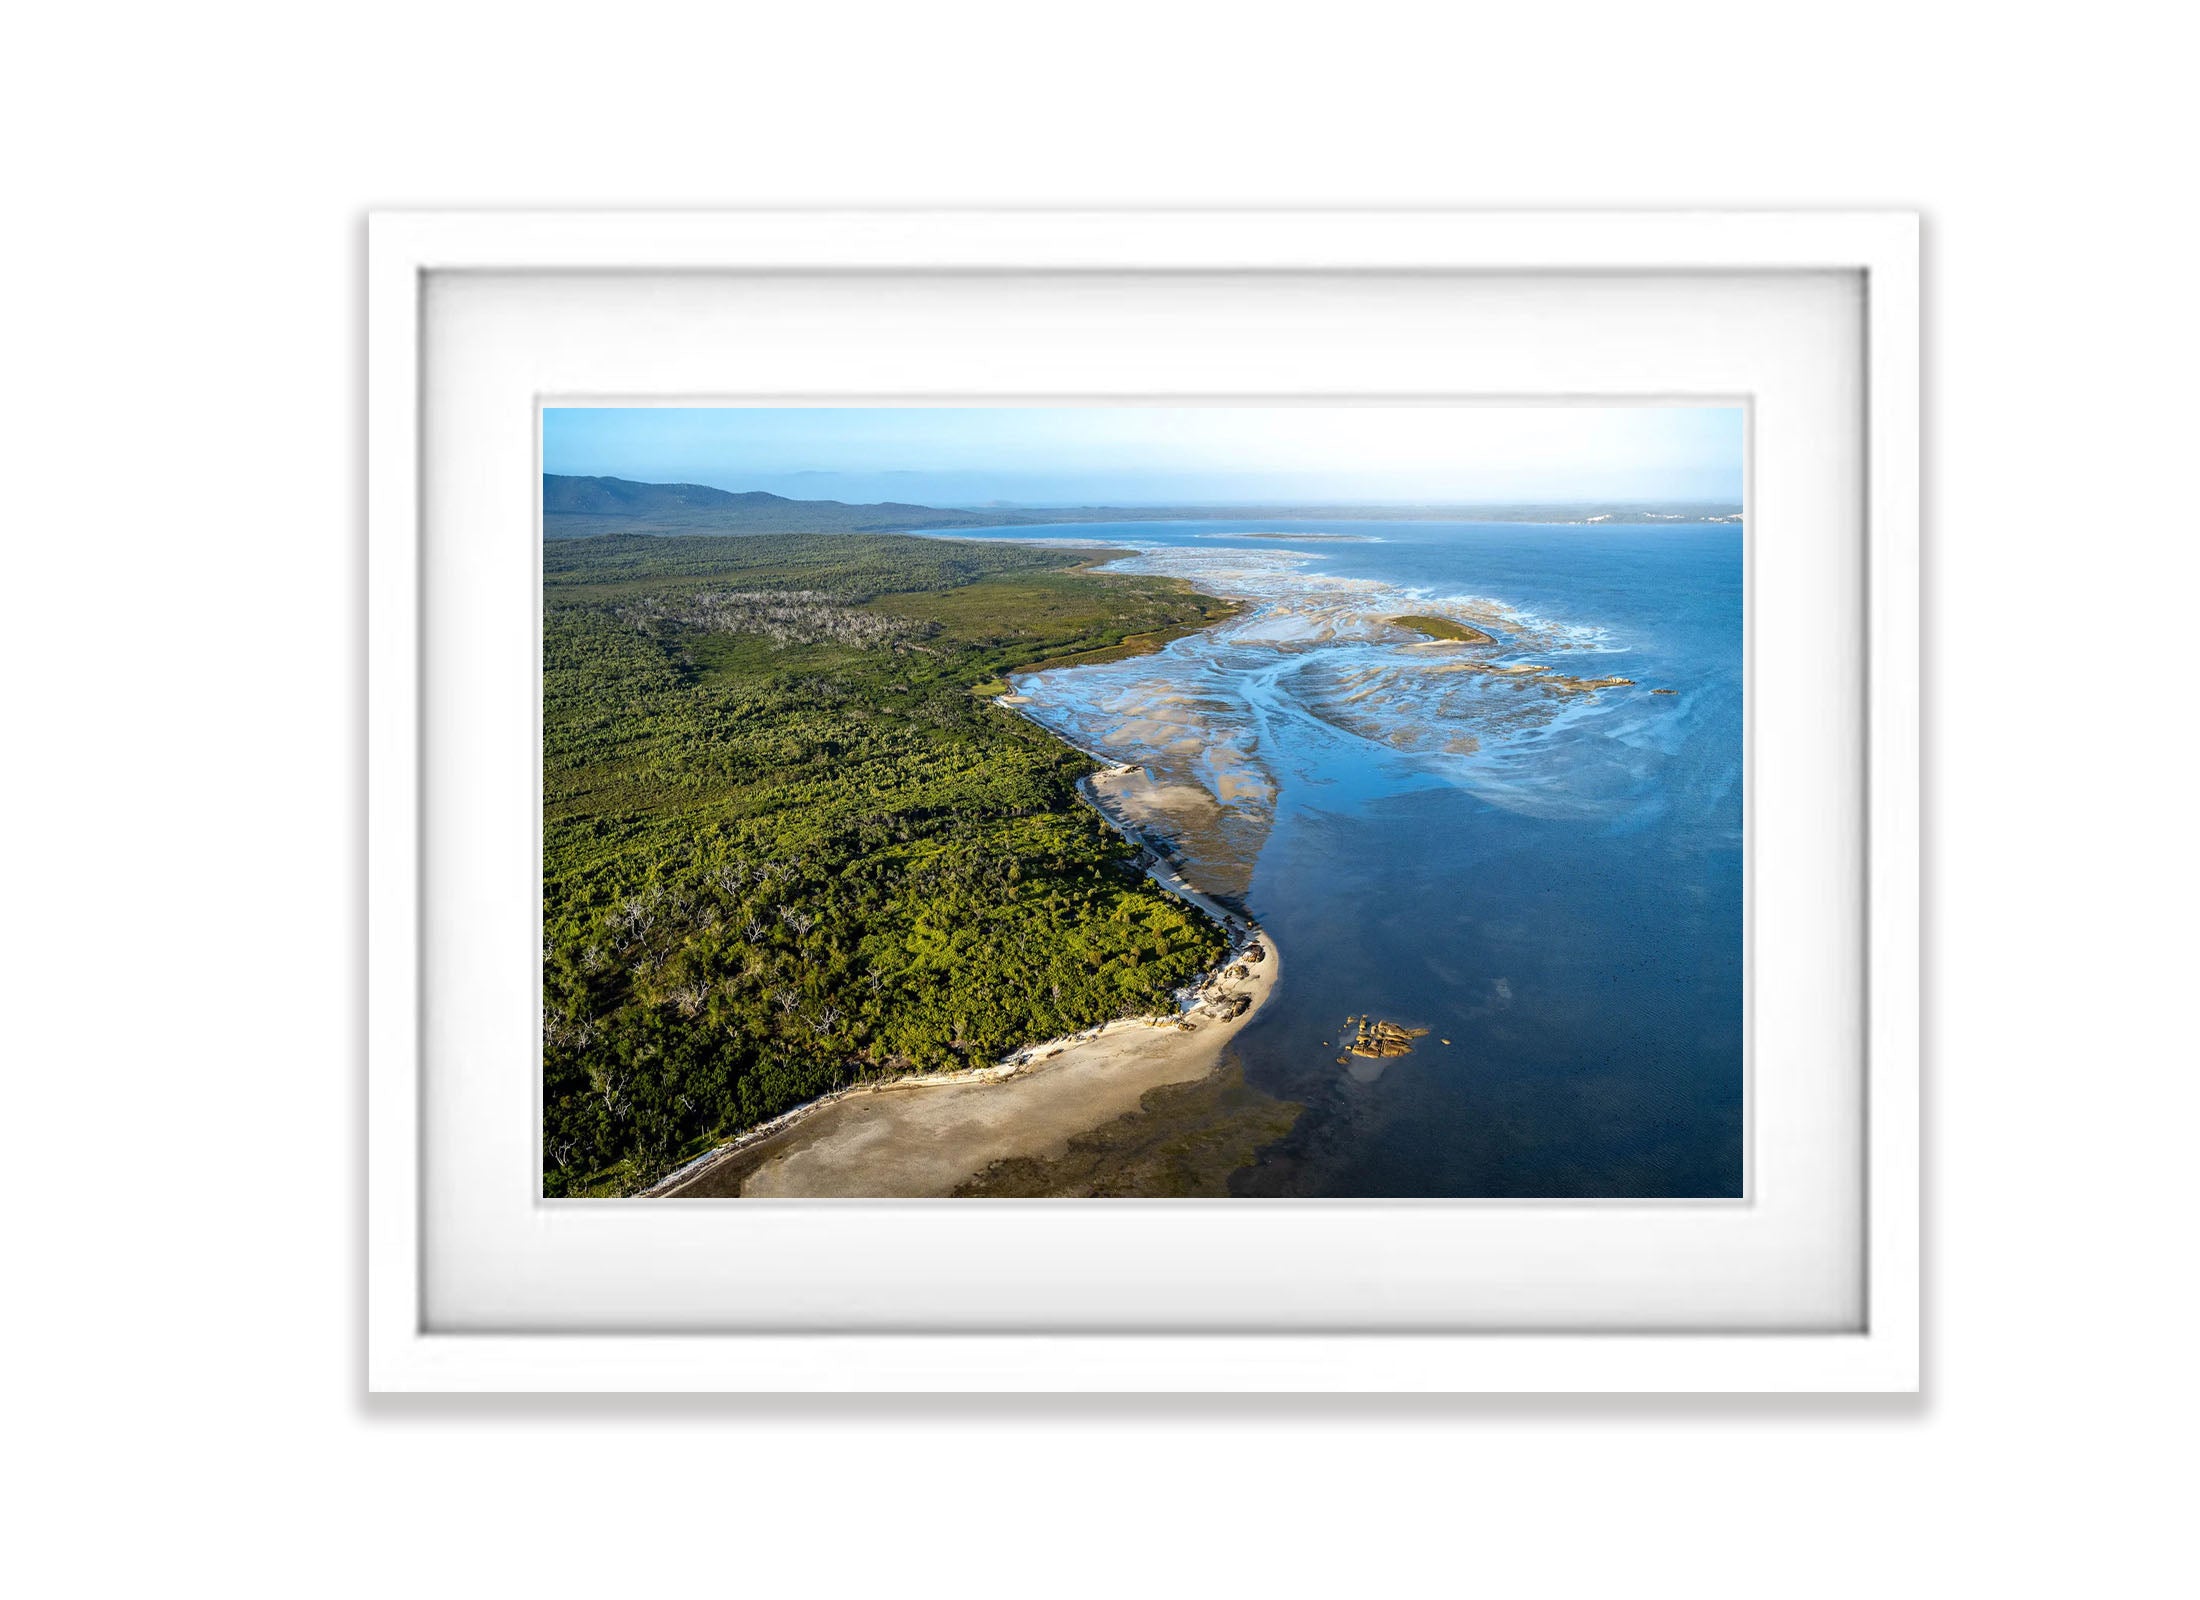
x=1484 y=840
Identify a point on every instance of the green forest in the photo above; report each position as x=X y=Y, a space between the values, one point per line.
x=789 y=843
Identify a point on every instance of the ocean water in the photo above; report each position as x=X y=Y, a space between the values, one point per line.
x=1491 y=841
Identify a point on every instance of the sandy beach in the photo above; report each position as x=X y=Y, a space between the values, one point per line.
x=925 y=1136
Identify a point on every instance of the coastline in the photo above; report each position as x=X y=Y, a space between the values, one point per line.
x=927 y=1134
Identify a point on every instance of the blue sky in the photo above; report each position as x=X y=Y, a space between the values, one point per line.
x=1164 y=455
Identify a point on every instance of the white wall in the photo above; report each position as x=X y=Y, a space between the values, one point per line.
x=183 y=542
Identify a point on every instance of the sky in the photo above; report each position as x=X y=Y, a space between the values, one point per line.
x=1164 y=455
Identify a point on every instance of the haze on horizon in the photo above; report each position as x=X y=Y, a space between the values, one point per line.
x=1136 y=455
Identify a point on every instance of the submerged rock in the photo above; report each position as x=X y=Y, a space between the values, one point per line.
x=1570 y=685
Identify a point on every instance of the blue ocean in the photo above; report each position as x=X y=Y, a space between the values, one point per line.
x=1525 y=838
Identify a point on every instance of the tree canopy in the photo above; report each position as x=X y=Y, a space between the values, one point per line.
x=787 y=847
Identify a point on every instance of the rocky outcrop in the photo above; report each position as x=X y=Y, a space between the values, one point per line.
x=1375 y=1038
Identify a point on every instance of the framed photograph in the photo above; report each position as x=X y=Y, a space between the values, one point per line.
x=1143 y=801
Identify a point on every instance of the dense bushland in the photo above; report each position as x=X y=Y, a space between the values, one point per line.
x=786 y=845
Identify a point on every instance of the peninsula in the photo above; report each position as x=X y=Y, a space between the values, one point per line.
x=792 y=852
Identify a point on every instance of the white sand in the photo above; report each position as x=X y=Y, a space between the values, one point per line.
x=925 y=1137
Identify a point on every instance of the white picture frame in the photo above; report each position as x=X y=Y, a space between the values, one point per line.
x=407 y=1352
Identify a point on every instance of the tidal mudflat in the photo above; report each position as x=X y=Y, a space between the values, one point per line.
x=1483 y=779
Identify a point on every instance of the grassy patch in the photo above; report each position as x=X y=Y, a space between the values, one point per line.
x=1443 y=628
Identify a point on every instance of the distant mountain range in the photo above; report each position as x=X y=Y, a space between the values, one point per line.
x=577 y=508
x=580 y=508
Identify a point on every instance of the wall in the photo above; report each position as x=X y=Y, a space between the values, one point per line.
x=182 y=652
